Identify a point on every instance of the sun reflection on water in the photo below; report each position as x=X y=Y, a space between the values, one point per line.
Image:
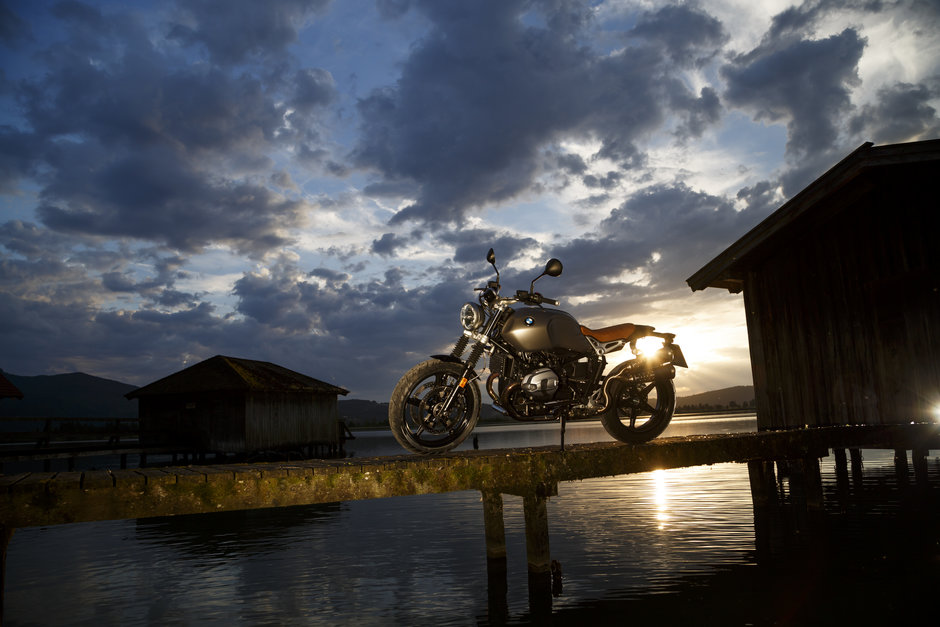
x=660 y=498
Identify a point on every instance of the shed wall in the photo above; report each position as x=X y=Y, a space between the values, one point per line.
x=277 y=420
x=844 y=318
x=197 y=421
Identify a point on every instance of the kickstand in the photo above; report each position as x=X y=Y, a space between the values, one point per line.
x=563 y=414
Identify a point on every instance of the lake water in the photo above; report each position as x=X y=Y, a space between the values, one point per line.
x=666 y=547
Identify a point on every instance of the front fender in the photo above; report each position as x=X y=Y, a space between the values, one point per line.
x=448 y=358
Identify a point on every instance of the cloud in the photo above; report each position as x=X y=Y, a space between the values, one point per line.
x=155 y=149
x=484 y=94
x=183 y=180
x=687 y=35
x=234 y=31
x=805 y=83
x=901 y=112
x=388 y=244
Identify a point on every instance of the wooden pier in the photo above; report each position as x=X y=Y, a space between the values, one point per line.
x=50 y=498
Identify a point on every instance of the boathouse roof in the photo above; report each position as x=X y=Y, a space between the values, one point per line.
x=817 y=202
x=221 y=373
x=7 y=389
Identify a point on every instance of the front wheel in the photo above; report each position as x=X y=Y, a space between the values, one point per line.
x=416 y=412
x=639 y=411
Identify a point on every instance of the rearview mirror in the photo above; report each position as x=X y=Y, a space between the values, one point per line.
x=553 y=267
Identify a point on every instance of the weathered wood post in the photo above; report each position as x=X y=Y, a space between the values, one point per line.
x=494 y=529
x=6 y=533
x=901 y=467
x=538 y=552
x=767 y=534
x=494 y=526
x=856 y=457
x=919 y=458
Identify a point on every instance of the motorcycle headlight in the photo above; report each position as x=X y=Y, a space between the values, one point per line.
x=471 y=316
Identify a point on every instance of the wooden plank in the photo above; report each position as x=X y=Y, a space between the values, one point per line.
x=34 y=482
x=156 y=476
x=102 y=495
x=7 y=481
x=96 y=479
x=128 y=479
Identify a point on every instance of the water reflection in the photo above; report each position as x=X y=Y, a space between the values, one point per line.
x=679 y=546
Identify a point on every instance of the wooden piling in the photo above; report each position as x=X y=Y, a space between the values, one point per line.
x=493 y=525
x=6 y=533
x=538 y=554
x=497 y=586
x=919 y=459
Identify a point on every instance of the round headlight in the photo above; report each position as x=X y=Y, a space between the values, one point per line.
x=471 y=316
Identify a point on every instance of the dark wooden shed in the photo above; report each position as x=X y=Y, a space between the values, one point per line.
x=7 y=389
x=841 y=290
x=233 y=405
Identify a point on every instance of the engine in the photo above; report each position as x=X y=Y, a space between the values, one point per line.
x=540 y=385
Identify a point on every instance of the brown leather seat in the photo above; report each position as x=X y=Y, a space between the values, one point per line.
x=609 y=334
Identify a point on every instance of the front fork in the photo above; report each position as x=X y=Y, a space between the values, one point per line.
x=475 y=353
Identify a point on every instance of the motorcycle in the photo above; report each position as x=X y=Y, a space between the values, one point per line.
x=543 y=366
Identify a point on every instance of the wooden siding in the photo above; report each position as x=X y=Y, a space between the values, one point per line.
x=843 y=314
x=277 y=420
x=236 y=422
x=201 y=421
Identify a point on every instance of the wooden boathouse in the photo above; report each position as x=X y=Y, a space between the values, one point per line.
x=841 y=290
x=7 y=389
x=233 y=405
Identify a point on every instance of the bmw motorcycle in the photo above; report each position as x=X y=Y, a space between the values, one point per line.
x=543 y=366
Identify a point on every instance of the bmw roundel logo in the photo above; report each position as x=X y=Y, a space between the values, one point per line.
x=529 y=321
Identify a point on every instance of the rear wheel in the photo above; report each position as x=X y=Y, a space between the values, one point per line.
x=639 y=411
x=416 y=412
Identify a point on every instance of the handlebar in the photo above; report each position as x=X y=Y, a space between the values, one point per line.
x=533 y=298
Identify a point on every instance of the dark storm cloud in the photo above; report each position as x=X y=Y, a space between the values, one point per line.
x=150 y=196
x=686 y=35
x=805 y=83
x=234 y=31
x=156 y=149
x=471 y=245
x=681 y=226
x=13 y=30
x=483 y=95
x=314 y=88
x=388 y=244
x=901 y=112
x=18 y=153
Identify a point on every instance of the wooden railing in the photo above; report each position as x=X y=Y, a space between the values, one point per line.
x=49 y=432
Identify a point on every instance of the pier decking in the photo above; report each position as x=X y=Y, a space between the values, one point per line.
x=31 y=499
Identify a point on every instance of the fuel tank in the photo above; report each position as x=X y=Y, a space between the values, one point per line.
x=531 y=329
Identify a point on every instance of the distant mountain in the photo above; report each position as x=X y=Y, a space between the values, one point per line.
x=79 y=395
x=358 y=413
x=726 y=398
x=74 y=395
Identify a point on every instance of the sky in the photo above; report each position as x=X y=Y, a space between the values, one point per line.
x=315 y=183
